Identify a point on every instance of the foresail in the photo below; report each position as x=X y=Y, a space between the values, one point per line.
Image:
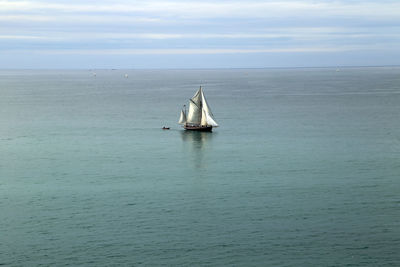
x=203 y=118
x=210 y=120
x=205 y=104
x=194 y=114
x=207 y=111
x=182 y=118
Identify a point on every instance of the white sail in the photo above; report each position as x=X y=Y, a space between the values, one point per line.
x=194 y=114
x=207 y=112
x=205 y=104
x=182 y=118
x=197 y=97
x=199 y=112
x=210 y=121
x=203 y=118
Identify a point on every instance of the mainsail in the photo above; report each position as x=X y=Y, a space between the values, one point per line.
x=197 y=97
x=194 y=115
x=199 y=111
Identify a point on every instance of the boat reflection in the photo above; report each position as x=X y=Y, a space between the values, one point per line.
x=196 y=144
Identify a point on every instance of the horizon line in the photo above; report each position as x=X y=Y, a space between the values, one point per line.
x=213 y=68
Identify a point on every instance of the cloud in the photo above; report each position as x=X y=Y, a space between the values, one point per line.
x=76 y=19
x=20 y=37
x=197 y=27
x=198 y=51
x=207 y=9
x=300 y=33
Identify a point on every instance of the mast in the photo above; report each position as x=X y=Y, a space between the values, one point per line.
x=185 y=114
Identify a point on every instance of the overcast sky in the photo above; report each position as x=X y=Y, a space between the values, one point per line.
x=198 y=34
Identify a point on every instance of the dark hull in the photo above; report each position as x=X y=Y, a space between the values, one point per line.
x=198 y=128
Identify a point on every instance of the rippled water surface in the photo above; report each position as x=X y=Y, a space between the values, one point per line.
x=304 y=170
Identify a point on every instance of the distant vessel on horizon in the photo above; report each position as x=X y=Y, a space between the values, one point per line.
x=199 y=117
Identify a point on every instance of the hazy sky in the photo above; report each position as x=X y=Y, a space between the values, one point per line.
x=198 y=34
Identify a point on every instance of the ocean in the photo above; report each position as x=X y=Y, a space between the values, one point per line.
x=304 y=169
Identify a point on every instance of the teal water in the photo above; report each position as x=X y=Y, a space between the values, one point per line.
x=304 y=170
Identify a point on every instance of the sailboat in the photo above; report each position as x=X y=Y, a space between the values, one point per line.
x=199 y=117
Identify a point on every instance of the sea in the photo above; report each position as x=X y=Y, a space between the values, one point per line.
x=303 y=170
